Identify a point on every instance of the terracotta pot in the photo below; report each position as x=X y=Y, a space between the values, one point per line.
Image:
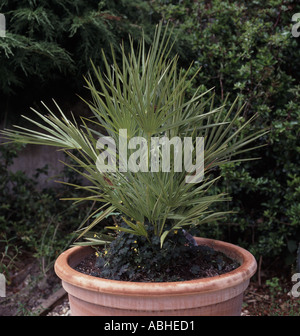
x=219 y=295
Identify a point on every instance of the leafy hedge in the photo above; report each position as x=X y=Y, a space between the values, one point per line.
x=246 y=49
x=33 y=219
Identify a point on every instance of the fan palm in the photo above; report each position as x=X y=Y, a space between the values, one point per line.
x=146 y=95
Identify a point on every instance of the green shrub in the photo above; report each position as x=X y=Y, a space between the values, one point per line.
x=246 y=48
x=32 y=220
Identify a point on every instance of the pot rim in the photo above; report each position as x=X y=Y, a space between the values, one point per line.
x=233 y=278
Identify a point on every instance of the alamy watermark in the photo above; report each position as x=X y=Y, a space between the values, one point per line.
x=296 y=18
x=154 y=152
x=2 y=25
x=2 y=285
x=295 y=292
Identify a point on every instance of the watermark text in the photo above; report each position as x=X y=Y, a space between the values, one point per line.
x=295 y=292
x=153 y=155
x=296 y=18
x=2 y=285
x=2 y=25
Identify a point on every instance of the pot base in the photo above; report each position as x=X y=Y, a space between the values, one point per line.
x=216 y=296
x=231 y=307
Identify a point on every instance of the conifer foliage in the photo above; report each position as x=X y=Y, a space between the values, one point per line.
x=51 y=39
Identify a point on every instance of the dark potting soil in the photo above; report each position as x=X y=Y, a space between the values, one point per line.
x=202 y=267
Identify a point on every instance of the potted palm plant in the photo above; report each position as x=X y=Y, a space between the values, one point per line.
x=151 y=154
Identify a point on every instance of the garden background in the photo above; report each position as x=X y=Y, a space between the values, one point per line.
x=244 y=49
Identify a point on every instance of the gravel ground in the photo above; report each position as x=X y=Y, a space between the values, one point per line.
x=62 y=309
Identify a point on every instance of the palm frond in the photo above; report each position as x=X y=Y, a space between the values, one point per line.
x=146 y=95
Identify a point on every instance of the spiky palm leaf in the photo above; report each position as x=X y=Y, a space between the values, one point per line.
x=146 y=95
